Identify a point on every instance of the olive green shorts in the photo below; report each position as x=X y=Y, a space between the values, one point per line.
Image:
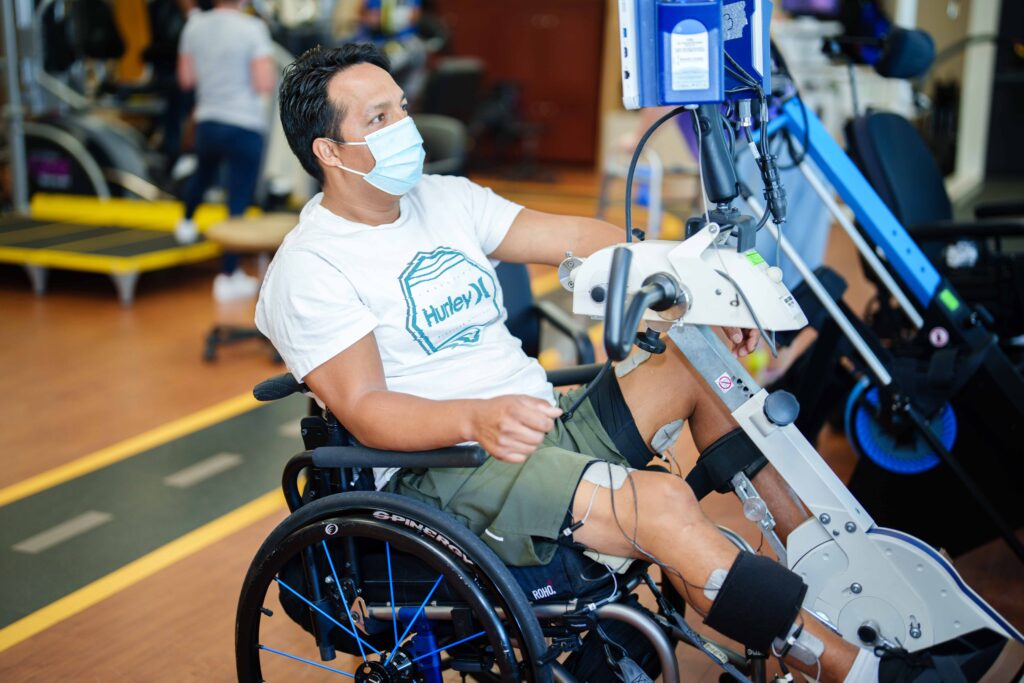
x=520 y=510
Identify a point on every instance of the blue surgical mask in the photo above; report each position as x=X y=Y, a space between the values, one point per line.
x=398 y=151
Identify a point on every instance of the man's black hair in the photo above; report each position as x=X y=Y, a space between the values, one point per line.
x=307 y=113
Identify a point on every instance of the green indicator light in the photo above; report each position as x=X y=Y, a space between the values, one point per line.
x=754 y=258
x=949 y=299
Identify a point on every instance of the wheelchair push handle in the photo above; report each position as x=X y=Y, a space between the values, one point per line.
x=278 y=387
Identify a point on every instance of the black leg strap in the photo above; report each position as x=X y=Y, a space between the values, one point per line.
x=722 y=460
x=758 y=601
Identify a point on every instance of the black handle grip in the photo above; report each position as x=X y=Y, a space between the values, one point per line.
x=715 y=160
x=617 y=343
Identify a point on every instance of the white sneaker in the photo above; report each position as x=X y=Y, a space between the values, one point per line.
x=235 y=287
x=186 y=231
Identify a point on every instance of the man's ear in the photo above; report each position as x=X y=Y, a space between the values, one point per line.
x=325 y=152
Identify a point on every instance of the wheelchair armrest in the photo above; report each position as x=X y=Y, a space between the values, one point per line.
x=330 y=457
x=1002 y=209
x=567 y=325
x=953 y=230
x=278 y=387
x=580 y=374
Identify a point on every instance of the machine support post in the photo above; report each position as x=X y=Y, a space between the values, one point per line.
x=14 y=111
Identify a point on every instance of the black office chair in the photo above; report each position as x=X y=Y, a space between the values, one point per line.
x=526 y=315
x=446 y=143
x=899 y=166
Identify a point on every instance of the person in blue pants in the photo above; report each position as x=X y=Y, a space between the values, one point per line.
x=225 y=56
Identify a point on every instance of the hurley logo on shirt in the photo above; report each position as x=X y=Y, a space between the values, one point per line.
x=449 y=299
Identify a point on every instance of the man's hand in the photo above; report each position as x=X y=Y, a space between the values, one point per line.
x=744 y=341
x=509 y=428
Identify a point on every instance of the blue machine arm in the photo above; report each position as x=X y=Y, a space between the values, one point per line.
x=911 y=265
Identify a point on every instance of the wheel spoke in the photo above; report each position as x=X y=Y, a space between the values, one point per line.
x=307 y=661
x=391 y=586
x=344 y=602
x=445 y=647
x=334 y=621
x=415 y=617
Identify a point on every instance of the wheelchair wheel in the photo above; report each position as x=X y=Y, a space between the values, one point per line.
x=403 y=589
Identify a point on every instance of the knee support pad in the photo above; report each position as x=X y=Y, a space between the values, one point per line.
x=721 y=461
x=757 y=602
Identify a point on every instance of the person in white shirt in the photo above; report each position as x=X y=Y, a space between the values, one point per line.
x=384 y=301
x=225 y=55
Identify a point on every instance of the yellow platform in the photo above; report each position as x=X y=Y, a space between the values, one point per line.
x=122 y=238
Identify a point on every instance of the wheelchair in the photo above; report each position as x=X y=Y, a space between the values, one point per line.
x=412 y=595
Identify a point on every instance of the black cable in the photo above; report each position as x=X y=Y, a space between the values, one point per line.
x=568 y=415
x=637 y=547
x=750 y=309
x=632 y=166
x=784 y=68
x=750 y=80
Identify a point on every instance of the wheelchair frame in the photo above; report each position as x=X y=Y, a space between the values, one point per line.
x=339 y=488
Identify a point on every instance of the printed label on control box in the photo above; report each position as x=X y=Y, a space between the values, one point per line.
x=691 y=61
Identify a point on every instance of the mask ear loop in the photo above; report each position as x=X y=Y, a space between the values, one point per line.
x=343 y=167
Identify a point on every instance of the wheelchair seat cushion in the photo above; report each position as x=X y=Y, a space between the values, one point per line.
x=519 y=510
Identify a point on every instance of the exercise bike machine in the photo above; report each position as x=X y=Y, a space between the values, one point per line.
x=875 y=586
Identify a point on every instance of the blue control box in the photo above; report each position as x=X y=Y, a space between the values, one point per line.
x=673 y=51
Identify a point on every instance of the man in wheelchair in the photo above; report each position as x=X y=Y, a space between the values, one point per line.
x=384 y=301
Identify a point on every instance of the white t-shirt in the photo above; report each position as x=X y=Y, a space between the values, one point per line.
x=222 y=44
x=423 y=285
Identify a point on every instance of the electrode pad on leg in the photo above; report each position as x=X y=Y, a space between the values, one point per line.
x=610 y=476
x=757 y=602
x=721 y=461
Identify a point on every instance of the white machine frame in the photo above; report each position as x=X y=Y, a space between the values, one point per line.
x=858 y=574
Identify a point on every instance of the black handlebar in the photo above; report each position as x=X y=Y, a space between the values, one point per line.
x=715 y=159
x=659 y=291
x=616 y=342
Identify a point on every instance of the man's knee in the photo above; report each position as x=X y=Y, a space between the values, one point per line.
x=667 y=505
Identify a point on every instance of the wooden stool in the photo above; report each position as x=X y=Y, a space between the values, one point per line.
x=259 y=235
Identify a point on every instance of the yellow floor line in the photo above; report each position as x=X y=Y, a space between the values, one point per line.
x=129 y=447
x=145 y=566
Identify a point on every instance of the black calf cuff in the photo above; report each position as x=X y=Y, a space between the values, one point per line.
x=757 y=603
x=721 y=461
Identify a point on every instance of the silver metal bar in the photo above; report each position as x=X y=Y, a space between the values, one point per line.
x=745 y=491
x=14 y=111
x=865 y=352
x=862 y=246
x=786 y=448
x=616 y=612
x=650 y=629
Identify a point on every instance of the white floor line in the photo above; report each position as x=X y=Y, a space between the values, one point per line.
x=291 y=429
x=62 y=532
x=202 y=470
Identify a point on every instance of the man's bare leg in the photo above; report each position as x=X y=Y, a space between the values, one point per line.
x=662 y=516
x=665 y=388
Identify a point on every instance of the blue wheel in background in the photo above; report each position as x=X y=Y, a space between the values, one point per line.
x=870 y=438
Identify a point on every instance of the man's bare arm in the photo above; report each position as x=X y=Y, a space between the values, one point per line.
x=538 y=237
x=353 y=387
x=186 y=72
